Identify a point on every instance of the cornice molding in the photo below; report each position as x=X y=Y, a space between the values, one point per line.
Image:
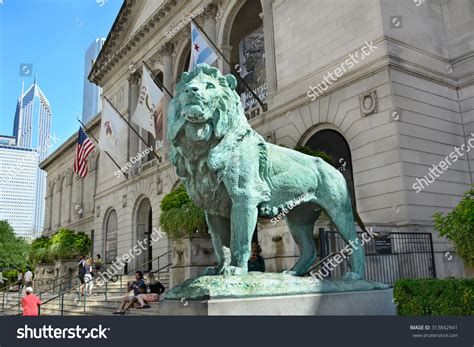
x=108 y=59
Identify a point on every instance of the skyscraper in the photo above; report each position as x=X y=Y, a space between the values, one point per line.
x=91 y=99
x=31 y=128
x=18 y=200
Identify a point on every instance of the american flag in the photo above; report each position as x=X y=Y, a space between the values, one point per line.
x=83 y=148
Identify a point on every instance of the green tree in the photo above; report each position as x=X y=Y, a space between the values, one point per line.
x=40 y=252
x=13 y=250
x=458 y=226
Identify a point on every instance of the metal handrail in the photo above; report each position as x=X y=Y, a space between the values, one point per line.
x=6 y=292
x=12 y=284
x=43 y=292
x=109 y=279
x=77 y=287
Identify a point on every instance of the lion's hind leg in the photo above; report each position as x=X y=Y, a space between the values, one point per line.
x=342 y=217
x=301 y=221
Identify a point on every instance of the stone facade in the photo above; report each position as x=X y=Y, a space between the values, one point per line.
x=401 y=109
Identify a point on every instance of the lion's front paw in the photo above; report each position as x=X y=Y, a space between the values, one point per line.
x=233 y=271
x=352 y=276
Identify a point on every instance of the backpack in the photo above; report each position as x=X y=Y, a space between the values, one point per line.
x=82 y=270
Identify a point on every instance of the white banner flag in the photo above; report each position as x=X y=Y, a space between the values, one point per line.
x=148 y=100
x=112 y=129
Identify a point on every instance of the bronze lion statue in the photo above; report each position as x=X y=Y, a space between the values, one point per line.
x=235 y=176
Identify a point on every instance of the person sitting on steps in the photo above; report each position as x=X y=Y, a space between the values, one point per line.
x=138 y=287
x=155 y=288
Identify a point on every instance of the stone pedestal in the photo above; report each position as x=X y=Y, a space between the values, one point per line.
x=372 y=302
x=258 y=293
x=190 y=257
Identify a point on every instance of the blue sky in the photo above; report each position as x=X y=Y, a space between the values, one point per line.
x=53 y=36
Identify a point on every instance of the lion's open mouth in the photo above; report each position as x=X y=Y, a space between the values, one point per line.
x=194 y=113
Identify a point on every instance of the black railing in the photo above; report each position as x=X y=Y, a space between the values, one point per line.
x=389 y=256
x=77 y=288
x=84 y=303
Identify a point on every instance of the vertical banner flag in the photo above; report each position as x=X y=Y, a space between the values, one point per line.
x=84 y=147
x=201 y=51
x=112 y=128
x=148 y=102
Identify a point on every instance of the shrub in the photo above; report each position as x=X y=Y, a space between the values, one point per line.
x=179 y=216
x=39 y=252
x=458 y=226
x=432 y=297
x=320 y=154
x=175 y=199
x=64 y=244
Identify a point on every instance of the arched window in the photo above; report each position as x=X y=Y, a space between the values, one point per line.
x=111 y=237
x=334 y=144
x=143 y=230
x=247 y=53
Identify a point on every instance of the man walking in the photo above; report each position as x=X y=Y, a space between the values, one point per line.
x=28 y=278
x=30 y=303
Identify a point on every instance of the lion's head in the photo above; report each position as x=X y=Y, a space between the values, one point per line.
x=205 y=105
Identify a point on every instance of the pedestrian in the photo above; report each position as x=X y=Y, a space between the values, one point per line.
x=89 y=276
x=28 y=278
x=30 y=303
x=20 y=280
x=98 y=264
x=81 y=273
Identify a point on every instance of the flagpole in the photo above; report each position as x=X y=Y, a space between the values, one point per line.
x=97 y=142
x=133 y=129
x=161 y=85
x=262 y=104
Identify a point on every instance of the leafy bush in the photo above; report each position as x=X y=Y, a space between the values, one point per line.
x=323 y=155
x=179 y=216
x=39 y=252
x=458 y=226
x=64 y=244
x=82 y=243
x=431 y=297
x=175 y=199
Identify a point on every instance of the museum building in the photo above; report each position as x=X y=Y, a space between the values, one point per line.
x=386 y=101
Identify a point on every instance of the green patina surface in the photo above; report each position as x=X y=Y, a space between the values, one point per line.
x=257 y=284
x=231 y=172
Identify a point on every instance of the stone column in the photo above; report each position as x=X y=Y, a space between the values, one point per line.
x=48 y=208
x=270 y=62
x=226 y=50
x=166 y=53
x=210 y=22
x=133 y=140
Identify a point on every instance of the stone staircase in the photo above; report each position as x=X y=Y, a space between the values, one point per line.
x=98 y=304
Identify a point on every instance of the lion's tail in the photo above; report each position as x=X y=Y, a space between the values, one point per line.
x=359 y=221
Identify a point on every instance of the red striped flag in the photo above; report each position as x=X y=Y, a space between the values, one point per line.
x=84 y=147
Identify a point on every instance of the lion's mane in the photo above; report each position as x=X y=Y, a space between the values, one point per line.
x=229 y=126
